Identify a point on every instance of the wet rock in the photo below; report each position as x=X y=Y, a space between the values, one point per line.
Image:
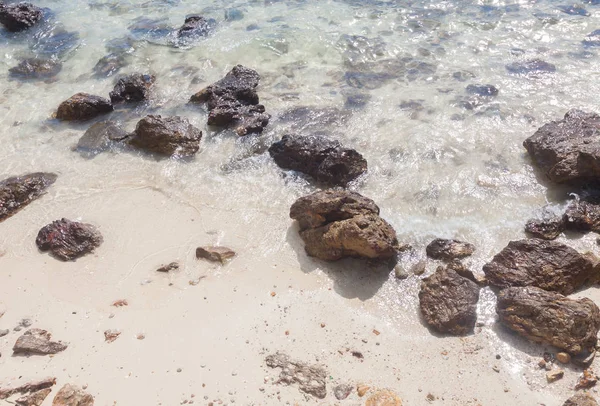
x=68 y=240
x=545 y=264
x=335 y=224
x=449 y=249
x=587 y=380
x=233 y=101
x=83 y=106
x=36 y=68
x=71 y=395
x=546 y=228
x=574 y=10
x=325 y=160
x=37 y=341
x=233 y=14
x=384 y=398
x=581 y=399
x=554 y=375
x=530 y=67
x=304 y=119
x=169 y=267
x=18 y=192
x=215 y=254
x=482 y=90
x=170 y=136
x=54 y=42
x=194 y=28
x=35 y=399
x=567 y=150
x=310 y=378
x=582 y=216
x=132 y=88
x=463 y=76
x=448 y=302
x=110 y=64
x=356 y=100
x=100 y=137
x=550 y=318
x=342 y=391
x=592 y=39
x=19 y=16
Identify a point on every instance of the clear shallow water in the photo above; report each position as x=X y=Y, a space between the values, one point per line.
x=436 y=168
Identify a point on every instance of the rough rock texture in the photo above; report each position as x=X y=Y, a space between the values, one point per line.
x=546 y=264
x=83 y=106
x=19 y=16
x=568 y=150
x=449 y=249
x=194 y=27
x=581 y=399
x=68 y=240
x=71 y=395
x=384 y=398
x=101 y=136
x=323 y=159
x=29 y=387
x=546 y=228
x=311 y=379
x=448 y=302
x=483 y=90
x=215 y=254
x=37 y=341
x=132 y=88
x=342 y=391
x=335 y=224
x=35 y=399
x=36 y=68
x=170 y=136
x=587 y=380
x=111 y=335
x=233 y=101
x=17 y=192
x=582 y=216
x=550 y=318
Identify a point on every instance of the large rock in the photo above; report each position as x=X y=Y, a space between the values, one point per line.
x=166 y=136
x=83 y=106
x=581 y=399
x=19 y=16
x=68 y=240
x=323 y=159
x=71 y=395
x=100 y=137
x=448 y=302
x=568 y=150
x=233 y=101
x=132 y=88
x=335 y=224
x=310 y=379
x=550 y=318
x=36 y=68
x=18 y=192
x=38 y=341
x=449 y=249
x=545 y=264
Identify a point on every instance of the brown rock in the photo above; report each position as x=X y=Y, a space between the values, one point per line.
x=563 y=357
x=83 y=106
x=68 y=240
x=18 y=192
x=581 y=399
x=448 y=302
x=587 y=380
x=546 y=228
x=554 y=375
x=311 y=379
x=545 y=264
x=215 y=254
x=384 y=398
x=170 y=267
x=550 y=318
x=449 y=249
x=28 y=388
x=35 y=399
x=362 y=390
x=132 y=88
x=37 y=341
x=111 y=335
x=71 y=395
x=583 y=216
x=169 y=136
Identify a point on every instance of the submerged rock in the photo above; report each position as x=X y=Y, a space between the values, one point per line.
x=82 y=107
x=100 y=137
x=54 y=42
x=574 y=10
x=193 y=28
x=17 y=192
x=567 y=150
x=448 y=302
x=19 y=16
x=335 y=224
x=550 y=318
x=36 y=68
x=530 y=67
x=170 y=136
x=37 y=341
x=310 y=379
x=581 y=399
x=592 y=39
x=110 y=64
x=449 y=249
x=68 y=240
x=233 y=101
x=71 y=395
x=482 y=90
x=325 y=160
x=132 y=88
x=215 y=253
x=545 y=228
x=544 y=264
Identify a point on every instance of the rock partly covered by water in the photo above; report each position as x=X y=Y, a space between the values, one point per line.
x=71 y=395
x=567 y=150
x=100 y=137
x=195 y=27
x=582 y=215
x=545 y=264
x=19 y=16
x=83 y=106
x=448 y=302
x=68 y=240
x=311 y=379
x=233 y=101
x=531 y=67
x=170 y=136
x=581 y=399
x=17 y=192
x=132 y=88
x=546 y=228
x=335 y=224
x=323 y=159
x=550 y=318
x=449 y=249
x=38 y=341
x=36 y=68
